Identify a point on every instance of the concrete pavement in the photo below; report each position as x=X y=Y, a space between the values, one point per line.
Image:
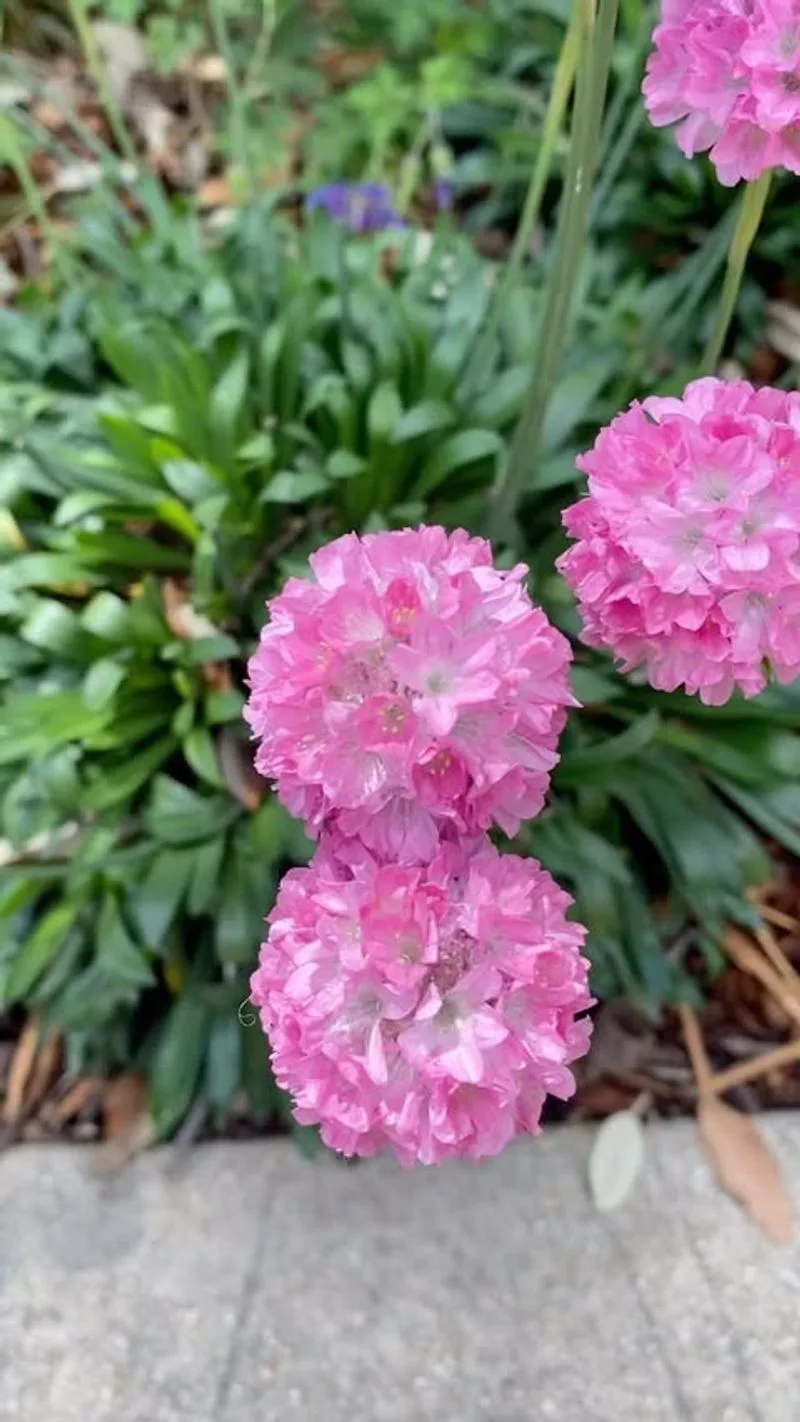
x=255 y=1286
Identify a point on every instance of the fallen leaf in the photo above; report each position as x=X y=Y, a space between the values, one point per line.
x=238 y=771
x=206 y=68
x=616 y=1160
x=78 y=177
x=128 y=1126
x=46 y=1069
x=124 y=55
x=214 y=192
x=48 y=116
x=182 y=618
x=20 y=1071
x=124 y=1100
x=79 y=1096
x=746 y=1167
x=344 y=65
x=154 y=123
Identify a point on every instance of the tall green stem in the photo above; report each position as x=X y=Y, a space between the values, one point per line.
x=237 y=97
x=94 y=62
x=563 y=81
x=594 y=61
x=11 y=152
x=752 y=207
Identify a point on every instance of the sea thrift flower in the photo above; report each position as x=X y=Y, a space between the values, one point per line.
x=729 y=70
x=410 y=683
x=363 y=207
x=429 y=1010
x=687 y=559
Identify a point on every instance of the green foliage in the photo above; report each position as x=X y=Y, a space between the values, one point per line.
x=252 y=400
x=194 y=413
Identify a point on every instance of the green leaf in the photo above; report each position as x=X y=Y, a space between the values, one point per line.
x=599 y=763
x=223 y=706
x=264 y=1096
x=117 y=955
x=189 y=480
x=239 y=919
x=383 y=411
x=294 y=487
x=47 y=570
x=573 y=396
x=198 y=747
x=156 y=899
x=503 y=400
x=101 y=682
x=178 y=1061
x=107 y=616
x=759 y=809
x=592 y=688
x=429 y=417
x=178 y=815
x=227 y=406
x=204 y=887
x=127 y=551
x=121 y=782
x=224 y=1061
x=38 y=951
x=56 y=628
x=473 y=446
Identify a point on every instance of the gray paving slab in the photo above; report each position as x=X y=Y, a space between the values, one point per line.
x=254 y=1286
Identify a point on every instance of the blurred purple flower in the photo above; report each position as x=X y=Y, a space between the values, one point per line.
x=443 y=194
x=364 y=207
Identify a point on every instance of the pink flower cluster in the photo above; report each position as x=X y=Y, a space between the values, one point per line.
x=428 y=1009
x=419 y=989
x=411 y=682
x=687 y=559
x=729 y=70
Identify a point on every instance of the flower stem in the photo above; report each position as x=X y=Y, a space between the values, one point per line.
x=563 y=81
x=11 y=152
x=237 y=99
x=595 y=47
x=752 y=206
x=94 y=63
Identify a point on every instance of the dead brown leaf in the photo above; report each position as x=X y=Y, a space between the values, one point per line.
x=128 y=1126
x=746 y=1167
x=48 y=116
x=238 y=771
x=124 y=1100
x=20 y=1071
x=206 y=68
x=73 y=1102
x=344 y=66
x=215 y=192
x=182 y=618
x=46 y=1068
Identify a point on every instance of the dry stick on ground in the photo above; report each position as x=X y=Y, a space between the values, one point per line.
x=767 y=940
x=747 y=957
x=696 y=1048
x=19 y=1075
x=780 y=919
x=758 y=1066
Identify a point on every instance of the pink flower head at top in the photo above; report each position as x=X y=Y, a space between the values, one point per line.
x=687 y=559
x=409 y=684
x=428 y=1010
x=729 y=71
